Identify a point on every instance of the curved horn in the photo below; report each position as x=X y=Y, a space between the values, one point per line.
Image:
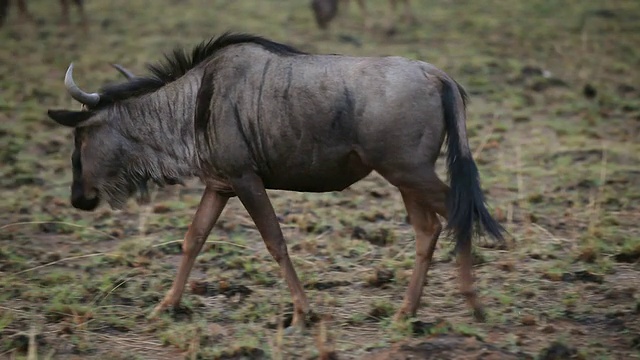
x=128 y=74
x=89 y=99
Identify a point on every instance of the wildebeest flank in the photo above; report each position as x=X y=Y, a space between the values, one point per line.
x=246 y=114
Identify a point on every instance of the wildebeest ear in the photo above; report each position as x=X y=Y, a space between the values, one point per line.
x=69 y=118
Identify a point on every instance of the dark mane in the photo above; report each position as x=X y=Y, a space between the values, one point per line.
x=178 y=63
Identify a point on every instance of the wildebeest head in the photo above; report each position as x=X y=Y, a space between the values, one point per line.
x=99 y=153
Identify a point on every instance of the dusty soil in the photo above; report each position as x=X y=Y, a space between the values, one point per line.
x=554 y=123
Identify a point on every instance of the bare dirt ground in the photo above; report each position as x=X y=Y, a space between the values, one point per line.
x=554 y=122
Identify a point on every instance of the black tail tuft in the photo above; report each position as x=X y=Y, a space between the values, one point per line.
x=467 y=212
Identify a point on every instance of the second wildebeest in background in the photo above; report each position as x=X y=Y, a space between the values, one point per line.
x=246 y=114
x=325 y=11
x=25 y=14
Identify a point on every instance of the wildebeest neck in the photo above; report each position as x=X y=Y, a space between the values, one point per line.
x=159 y=127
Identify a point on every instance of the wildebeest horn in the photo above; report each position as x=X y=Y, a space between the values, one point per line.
x=128 y=74
x=89 y=99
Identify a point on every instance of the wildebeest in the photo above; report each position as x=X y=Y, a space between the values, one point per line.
x=325 y=11
x=25 y=14
x=246 y=114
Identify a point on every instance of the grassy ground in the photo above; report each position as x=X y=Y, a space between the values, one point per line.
x=554 y=123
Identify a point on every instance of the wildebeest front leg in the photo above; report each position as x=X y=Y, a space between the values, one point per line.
x=427 y=228
x=4 y=11
x=64 y=19
x=209 y=210
x=393 y=16
x=368 y=25
x=24 y=11
x=409 y=17
x=253 y=195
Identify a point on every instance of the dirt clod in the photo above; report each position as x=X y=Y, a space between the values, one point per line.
x=426 y=328
x=380 y=278
x=507 y=266
x=324 y=285
x=589 y=91
x=629 y=256
x=204 y=288
x=358 y=233
x=21 y=342
x=549 y=329
x=378 y=237
x=161 y=209
x=242 y=353
x=310 y=319
x=620 y=293
x=528 y=320
x=558 y=351
x=181 y=313
x=445 y=346
x=583 y=275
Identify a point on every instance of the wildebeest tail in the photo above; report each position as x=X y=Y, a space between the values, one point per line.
x=467 y=212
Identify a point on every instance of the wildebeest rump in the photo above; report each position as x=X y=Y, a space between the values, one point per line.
x=246 y=114
x=25 y=14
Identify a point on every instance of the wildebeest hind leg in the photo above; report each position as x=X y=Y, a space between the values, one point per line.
x=83 y=16
x=4 y=10
x=252 y=193
x=438 y=201
x=465 y=263
x=208 y=212
x=409 y=17
x=423 y=179
x=427 y=228
x=64 y=19
x=24 y=11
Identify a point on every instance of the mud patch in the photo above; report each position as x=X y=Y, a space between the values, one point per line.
x=446 y=346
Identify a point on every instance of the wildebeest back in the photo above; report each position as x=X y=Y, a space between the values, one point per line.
x=304 y=119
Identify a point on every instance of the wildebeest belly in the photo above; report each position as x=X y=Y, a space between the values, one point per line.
x=321 y=173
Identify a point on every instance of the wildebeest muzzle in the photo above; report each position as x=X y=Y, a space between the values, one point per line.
x=80 y=201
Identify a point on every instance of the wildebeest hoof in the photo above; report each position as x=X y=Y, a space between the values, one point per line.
x=302 y=321
x=293 y=330
x=159 y=309
x=155 y=312
x=400 y=315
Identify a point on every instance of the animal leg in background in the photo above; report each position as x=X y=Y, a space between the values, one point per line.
x=408 y=16
x=23 y=11
x=424 y=196
x=65 y=12
x=436 y=193
x=465 y=263
x=4 y=10
x=64 y=20
x=408 y=13
x=324 y=11
x=253 y=195
x=368 y=24
x=208 y=212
